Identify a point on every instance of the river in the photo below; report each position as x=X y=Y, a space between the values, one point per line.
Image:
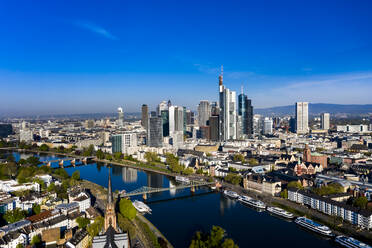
x=179 y=213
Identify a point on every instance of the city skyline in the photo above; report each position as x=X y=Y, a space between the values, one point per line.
x=125 y=54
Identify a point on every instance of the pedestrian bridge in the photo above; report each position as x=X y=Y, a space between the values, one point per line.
x=144 y=190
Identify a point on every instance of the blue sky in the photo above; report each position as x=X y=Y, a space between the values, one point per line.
x=93 y=56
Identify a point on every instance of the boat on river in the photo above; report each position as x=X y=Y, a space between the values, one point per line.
x=141 y=207
x=231 y=194
x=350 y=242
x=314 y=226
x=252 y=202
x=280 y=212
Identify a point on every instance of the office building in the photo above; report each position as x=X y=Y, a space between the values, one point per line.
x=267 y=126
x=204 y=112
x=214 y=128
x=302 y=117
x=163 y=105
x=165 y=122
x=145 y=116
x=176 y=120
x=324 y=119
x=245 y=110
x=26 y=135
x=120 y=117
x=155 y=132
x=123 y=142
x=228 y=113
x=189 y=117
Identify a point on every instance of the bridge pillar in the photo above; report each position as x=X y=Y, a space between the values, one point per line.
x=85 y=160
x=73 y=161
x=144 y=196
x=49 y=164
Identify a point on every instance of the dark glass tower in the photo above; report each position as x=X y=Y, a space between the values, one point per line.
x=165 y=120
x=245 y=110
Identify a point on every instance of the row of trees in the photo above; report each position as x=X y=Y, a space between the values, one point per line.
x=216 y=238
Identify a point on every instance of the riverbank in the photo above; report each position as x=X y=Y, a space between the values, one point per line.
x=339 y=227
x=146 y=233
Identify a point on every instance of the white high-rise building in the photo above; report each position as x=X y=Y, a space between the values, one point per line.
x=162 y=106
x=176 y=123
x=204 y=112
x=120 y=117
x=267 y=126
x=302 y=117
x=324 y=119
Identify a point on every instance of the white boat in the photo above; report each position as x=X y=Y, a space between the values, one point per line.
x=231 y=194
x=314 y=226
x=182 y=179
x=141 y=207
x=350 y=242
x=280 y=212
x=252 y=202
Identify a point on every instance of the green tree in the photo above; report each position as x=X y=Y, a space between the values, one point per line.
x=118 y=155
x=61 y=149
x=126 y=225
x=94 y=228
x=14 y=215
x=34 y=161
x=361 y=202
x=187 y=171
x=22 y=161
x=151 y=157
x=19 y=246
x=36 y=240
x=61 y=173
x=76 y=175
x=108 y=157
x=51 y=187
x=127 y=209
x=100 y=154
x=295 y=184
x=88 y=151
x=44 y=148
x=233 y=178
x=253 y=161
x=36 y=209
x=238 y=158
x=215 y=239
x=82 y=222
x=284 y=194
x=10 y=158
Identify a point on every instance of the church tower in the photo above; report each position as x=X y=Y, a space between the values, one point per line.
x=110 y=216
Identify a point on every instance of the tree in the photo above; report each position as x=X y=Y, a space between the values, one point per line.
x=253 y=161
x=61 y=172
x=15 y=215
x=10 y=158
x=20 y=246
x=22 y=161
x=284 y=194
x=35 y=240
x=295 y=184
x=100 y=154
x=233 y=178
x=82 y=222
x=108 y=157
x=126 y=225
x=215 y=239
x=34 y=161
x=51 y=187
x=36 y=209
x=76 y=175
x=118 y=155
x=127 y=209
x=61 y=149
x=187 y=171
x=151 y=157
x=361 y=202
x=88 y=151
x=238 y=158
x=44 y=148
x=96 y=227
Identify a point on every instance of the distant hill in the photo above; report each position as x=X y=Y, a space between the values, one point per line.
x=318 y=108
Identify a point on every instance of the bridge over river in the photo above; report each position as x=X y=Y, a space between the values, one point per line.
x=144 y=190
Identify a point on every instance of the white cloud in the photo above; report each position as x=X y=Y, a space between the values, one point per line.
x=96 y=29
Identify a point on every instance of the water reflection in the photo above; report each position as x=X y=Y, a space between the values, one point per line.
x=226 y=203
x=129 y=175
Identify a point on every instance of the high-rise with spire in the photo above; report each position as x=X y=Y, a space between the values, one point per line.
x=228 y=111
x=110 y=216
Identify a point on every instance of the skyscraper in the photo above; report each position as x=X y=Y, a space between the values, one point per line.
x=165 y=121
x=245 y=110
x=163 y=105
x=204 y=112
x=302 y=117
x=120 y=117
x=267 y=126
x=324 y=118
x=228 y=111
x=155 y=132
x=145 y=116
